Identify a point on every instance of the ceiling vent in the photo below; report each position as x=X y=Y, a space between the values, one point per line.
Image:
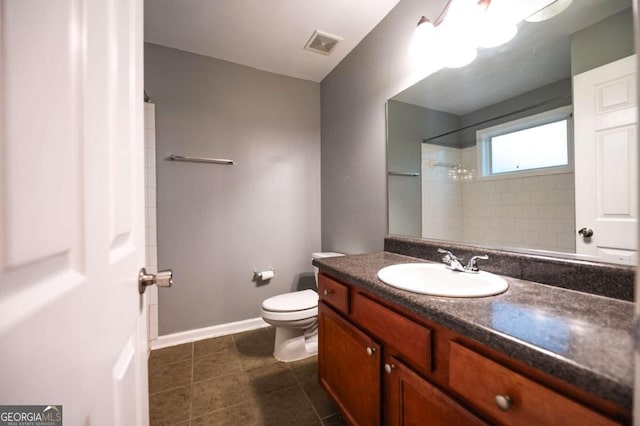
x=322 y=43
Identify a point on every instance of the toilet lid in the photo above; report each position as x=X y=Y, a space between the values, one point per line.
x=294 y=301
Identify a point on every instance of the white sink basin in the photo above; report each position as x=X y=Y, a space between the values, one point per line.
x=435 y=279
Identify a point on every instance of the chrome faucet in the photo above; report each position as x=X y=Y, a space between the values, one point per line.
x=472 y=266
x=455 y=263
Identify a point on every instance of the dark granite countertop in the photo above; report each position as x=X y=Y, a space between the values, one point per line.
x=581 y=338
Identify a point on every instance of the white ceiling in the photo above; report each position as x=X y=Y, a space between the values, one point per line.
x=267 y=35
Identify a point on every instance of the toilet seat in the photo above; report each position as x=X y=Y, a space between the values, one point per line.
x=292 y=306
x=294 y=301
x=291 y=316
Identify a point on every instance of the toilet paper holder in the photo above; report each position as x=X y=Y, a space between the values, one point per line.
x=264 y=275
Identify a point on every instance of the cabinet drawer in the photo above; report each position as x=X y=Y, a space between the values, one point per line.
x=411 y=340
x=480 y=380
x=334 y=293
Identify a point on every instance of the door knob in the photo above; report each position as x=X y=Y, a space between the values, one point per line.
x=586 y=232
x=161 y=279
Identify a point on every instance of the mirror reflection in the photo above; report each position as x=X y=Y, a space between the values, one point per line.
x=510 y=151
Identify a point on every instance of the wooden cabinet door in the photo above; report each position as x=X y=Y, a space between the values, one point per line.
x=411 y=400
x=349 y=368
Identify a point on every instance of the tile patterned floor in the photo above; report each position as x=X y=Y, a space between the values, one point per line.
x=234 y=380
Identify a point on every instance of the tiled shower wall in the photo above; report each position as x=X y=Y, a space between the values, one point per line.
x=534 y=212
x=150 y=208
x=442 y=204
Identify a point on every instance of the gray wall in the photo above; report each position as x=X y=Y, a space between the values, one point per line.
x=354 y=205
x=216 y=224
x=354 y=201
x=407 y=126
x=546 y=94
x=608 y=40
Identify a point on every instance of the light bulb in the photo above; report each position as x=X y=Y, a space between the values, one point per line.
x=496 y=26
x=463 y=13
x=494 y=34
x=423 y=38
x=457 y=32
x=459 y=56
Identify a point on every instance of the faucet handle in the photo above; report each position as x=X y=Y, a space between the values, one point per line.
x=472 y=265
x=448 y=256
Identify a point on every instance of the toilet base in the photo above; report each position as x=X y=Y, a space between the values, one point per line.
x=293 y=344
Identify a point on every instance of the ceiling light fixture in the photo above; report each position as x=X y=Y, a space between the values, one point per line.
x=549 y=11
x=496 y=26
x=458 y=173
x=462 y=27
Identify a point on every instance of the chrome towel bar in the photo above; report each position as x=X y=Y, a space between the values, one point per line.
x=412 y=174
x=434 y=163
x=200 y=160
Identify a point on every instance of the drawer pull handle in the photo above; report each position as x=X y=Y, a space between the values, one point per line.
x=370 y=350
x=389 y=368
x=328 y=292
x=503 y=402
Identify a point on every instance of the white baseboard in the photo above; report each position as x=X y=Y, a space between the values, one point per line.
x=207 y=333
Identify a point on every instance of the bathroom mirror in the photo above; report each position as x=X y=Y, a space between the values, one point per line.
x=439 y=184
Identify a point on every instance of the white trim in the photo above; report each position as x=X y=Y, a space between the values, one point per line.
x=483 y=141
x=554 y=170
x=207 y=333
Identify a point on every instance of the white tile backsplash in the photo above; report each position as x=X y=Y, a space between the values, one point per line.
x=153 y=236
x=442 y=204
x=151 y=177
x=149 y=157
x=150 y=138
x=153 y=257
x=532 y=212
x=153 y=295
x=153 y=322
x=150 y=216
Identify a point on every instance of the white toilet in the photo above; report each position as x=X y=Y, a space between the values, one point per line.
x=295 y=317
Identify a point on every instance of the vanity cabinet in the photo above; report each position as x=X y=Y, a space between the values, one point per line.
x=349 y=368
x=351 y=371
x=384 y=365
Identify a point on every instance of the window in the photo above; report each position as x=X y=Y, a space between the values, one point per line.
x=539 y=144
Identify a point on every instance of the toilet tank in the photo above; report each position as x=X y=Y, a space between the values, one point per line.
x=321 y=255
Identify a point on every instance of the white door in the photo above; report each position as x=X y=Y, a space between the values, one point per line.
x=72 y=323
x=606 y=163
